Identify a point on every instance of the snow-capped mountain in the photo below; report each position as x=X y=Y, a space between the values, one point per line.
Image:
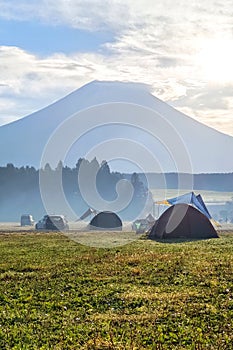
x=117 y=121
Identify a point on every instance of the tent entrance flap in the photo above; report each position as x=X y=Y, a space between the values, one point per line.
x=87 y=213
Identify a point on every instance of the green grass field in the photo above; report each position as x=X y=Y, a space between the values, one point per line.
x=57 y=294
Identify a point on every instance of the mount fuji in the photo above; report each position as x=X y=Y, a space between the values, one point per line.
x=122 y=123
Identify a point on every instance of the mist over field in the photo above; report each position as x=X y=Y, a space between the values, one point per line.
x=20 y=191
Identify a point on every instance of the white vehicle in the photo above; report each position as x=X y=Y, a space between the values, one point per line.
x=52 y=222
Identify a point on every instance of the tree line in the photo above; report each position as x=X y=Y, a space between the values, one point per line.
x=20 y=187
x=208 y=182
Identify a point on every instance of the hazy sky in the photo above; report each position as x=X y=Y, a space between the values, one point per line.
x=184 y=49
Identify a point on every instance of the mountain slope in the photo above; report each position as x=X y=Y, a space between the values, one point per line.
x=116 y=120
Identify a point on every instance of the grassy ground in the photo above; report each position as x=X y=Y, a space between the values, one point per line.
x=58 y=294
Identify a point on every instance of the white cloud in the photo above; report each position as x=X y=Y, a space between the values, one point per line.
x=89 y=15
x=115 y=14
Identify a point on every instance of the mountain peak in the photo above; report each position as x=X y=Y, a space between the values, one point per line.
x=116 y=84
x=112 y=91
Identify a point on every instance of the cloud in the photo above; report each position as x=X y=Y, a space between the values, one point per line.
x=210 y=97
x=114 y=14
x=88 y=15
x=210 y=104
x=220 y=119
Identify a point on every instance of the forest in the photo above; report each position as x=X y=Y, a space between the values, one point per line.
x=20 y=190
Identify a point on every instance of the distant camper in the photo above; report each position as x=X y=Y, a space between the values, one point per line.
x=26 y=220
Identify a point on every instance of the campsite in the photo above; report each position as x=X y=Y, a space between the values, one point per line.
x=104 y=283
x=116 y=175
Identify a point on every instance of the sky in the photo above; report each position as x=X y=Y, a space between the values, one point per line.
x=184 y=50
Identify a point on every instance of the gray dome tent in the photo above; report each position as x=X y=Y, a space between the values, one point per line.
x=106 y=220
x=182 y=221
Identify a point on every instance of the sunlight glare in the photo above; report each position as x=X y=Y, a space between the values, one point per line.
x=216 y=60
